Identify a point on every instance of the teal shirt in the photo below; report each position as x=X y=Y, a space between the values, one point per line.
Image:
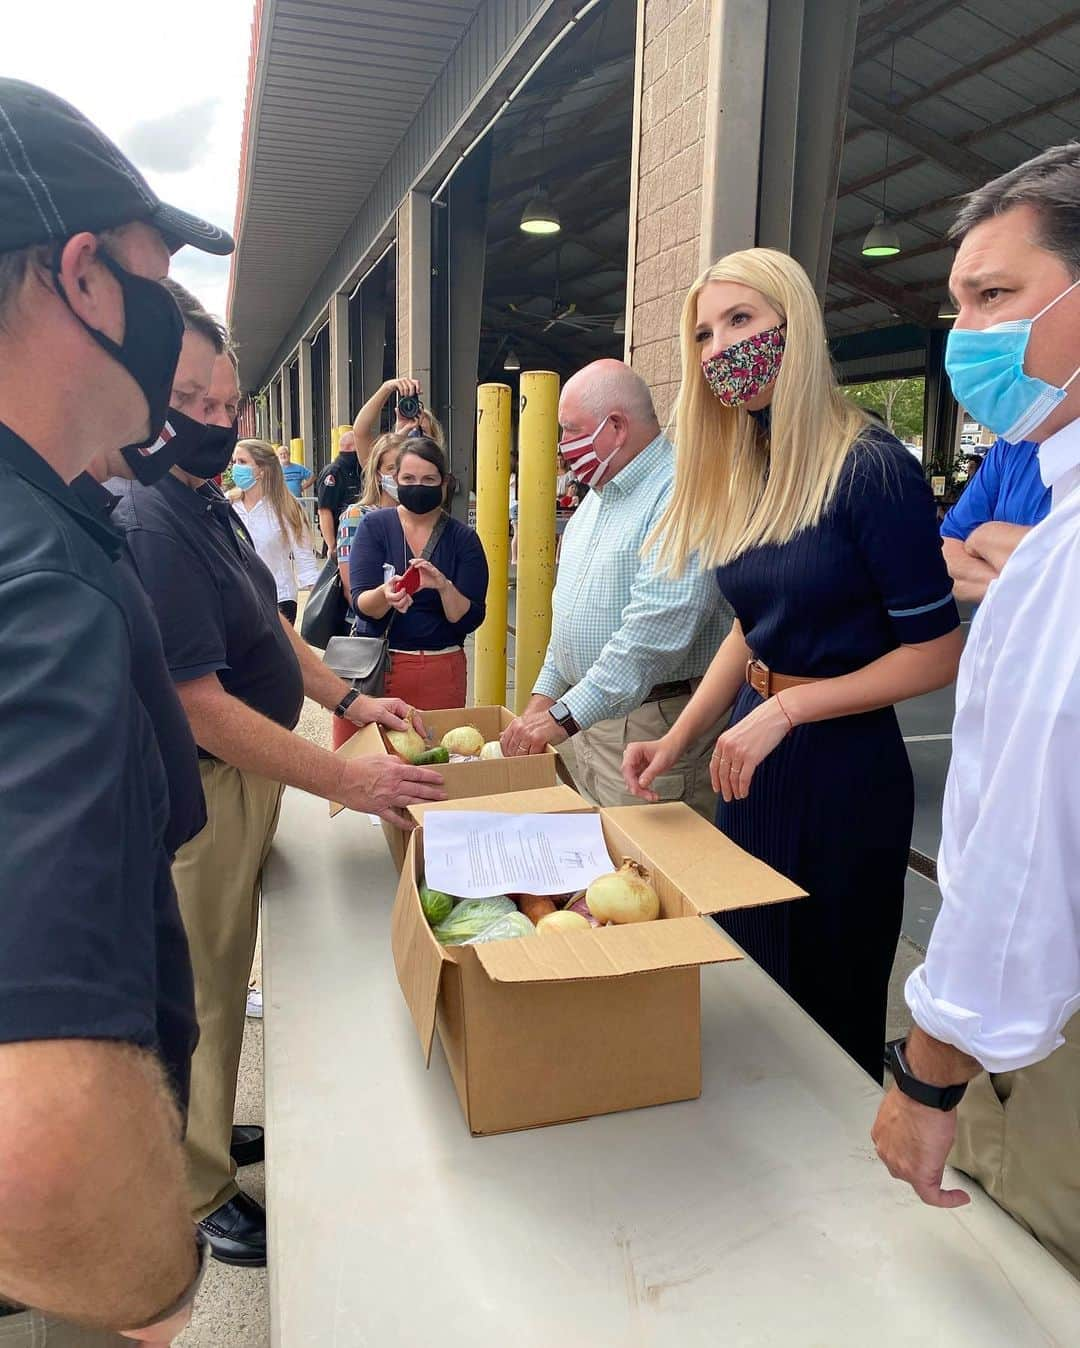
x=619 y=627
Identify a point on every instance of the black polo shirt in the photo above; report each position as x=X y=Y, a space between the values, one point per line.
x=92 y=945
x=215 y=600
x=156 y=690
x=339 y=485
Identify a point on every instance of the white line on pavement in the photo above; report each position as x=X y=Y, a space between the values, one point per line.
x=925 y=739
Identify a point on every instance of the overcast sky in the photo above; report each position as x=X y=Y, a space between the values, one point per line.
x=165 y=80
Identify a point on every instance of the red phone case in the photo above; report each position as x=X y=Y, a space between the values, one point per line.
x=410 y=581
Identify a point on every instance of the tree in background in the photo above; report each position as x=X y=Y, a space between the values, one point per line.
x=898 y=401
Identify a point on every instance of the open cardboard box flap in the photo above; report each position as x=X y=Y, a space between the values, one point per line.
x=700 y=860
x=540 y=800
x=418 y=957
x=367 y=740
x=610 y=952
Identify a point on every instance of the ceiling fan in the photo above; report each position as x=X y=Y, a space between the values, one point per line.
x=566 y=316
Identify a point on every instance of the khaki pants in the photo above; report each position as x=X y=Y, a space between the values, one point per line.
x=218 y=876
x=34 y=1330
x=598 y=752
x=1018 y=1135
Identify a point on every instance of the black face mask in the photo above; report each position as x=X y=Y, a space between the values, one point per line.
x=210 y=453
x=153 y=335
x=419 y=499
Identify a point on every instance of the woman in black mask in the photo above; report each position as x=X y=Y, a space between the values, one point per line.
x=427 y=626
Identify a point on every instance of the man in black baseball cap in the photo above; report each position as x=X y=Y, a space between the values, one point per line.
x=96 y=1007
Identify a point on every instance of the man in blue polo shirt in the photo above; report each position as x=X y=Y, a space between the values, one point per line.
x=1004 y=500
x=298 y=477
x=96 y=1007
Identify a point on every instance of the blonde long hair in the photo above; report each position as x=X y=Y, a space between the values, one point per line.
x=732 y=491
x=372 y=492
x=286 y=507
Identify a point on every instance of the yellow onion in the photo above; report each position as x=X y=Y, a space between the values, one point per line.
x=623 y=896
x=562 y=921
x=407 y=743
x=463 y=739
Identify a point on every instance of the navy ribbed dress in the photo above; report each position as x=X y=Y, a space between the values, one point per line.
x=832 y=806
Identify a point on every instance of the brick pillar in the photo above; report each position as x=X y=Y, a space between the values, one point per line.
x=668 y=169
x=414 y=289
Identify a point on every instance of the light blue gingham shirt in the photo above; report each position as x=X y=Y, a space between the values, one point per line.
x=619 y=627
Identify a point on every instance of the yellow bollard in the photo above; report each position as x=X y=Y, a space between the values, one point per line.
x=538 y=439
x=296 y=449
x=493 y=529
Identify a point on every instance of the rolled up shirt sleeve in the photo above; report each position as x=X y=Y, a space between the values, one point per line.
x=894 y=520
x=659 y=623
x=1002 y=971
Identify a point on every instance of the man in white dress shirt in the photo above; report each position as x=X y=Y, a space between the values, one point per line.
x=997 y=1000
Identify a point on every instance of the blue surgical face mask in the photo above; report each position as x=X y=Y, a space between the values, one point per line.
x=243 y=476
x=389 y=485
x=986 y=370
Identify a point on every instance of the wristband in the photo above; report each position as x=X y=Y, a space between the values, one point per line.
x=787 y=718
x=346 y=702
x=188 y=1295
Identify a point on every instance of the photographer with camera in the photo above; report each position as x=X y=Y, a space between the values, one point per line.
x=410 y=416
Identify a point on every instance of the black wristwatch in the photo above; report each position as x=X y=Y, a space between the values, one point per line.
x=561 y=714
x=346 y=702
x=936 y=1097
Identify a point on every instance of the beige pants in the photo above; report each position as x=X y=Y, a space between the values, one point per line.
x=598 y=752
x=218 y=877
x=1018 y=1134
x=34 y=1330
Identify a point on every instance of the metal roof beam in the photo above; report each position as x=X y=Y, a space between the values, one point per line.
x=965 y=163
x=897 y=298
x=876 y=33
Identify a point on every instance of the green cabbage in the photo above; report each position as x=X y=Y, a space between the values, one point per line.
x=470 y=917
x=437 y=906
x=504 y=928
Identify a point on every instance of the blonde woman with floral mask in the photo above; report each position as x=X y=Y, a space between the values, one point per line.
x=823 y=535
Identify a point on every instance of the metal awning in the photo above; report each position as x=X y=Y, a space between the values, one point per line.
x=333 y=88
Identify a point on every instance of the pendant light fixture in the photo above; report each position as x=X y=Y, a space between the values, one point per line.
x=540 y=215
x=512 y=361
x=948 y=310
x=882 y=240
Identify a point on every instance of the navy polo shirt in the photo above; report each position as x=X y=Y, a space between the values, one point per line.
x=92 y=943
x=156 y=690
x=1007 y=488
x=215 y=599
x=339 y=485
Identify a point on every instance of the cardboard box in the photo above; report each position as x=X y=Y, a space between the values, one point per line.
x=549 y=1029
x=487 y=777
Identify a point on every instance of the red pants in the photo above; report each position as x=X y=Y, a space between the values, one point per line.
x=426 y=682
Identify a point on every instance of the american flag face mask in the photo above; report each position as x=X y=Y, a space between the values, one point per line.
x=150 y=463
x=582 y=459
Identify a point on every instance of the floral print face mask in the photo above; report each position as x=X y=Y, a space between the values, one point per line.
x=742 y=370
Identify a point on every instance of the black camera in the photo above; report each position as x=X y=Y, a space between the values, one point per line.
x=409 y=407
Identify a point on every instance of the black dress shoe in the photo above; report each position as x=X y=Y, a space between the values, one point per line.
x=247 y=1144
x=237 y=1232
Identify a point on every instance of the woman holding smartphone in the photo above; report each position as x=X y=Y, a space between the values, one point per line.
x=823 y=534
x=445 y=597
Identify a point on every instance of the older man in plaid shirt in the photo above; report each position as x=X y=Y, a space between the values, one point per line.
x=628 y=644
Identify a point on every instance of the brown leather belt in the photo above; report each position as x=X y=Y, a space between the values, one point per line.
x=766 y=682
x=681 y=688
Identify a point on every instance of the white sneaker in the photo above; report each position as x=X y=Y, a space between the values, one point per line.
x=254 y=1004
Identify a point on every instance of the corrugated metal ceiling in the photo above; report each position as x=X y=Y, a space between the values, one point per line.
x=997 y=79
x=337 y=85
